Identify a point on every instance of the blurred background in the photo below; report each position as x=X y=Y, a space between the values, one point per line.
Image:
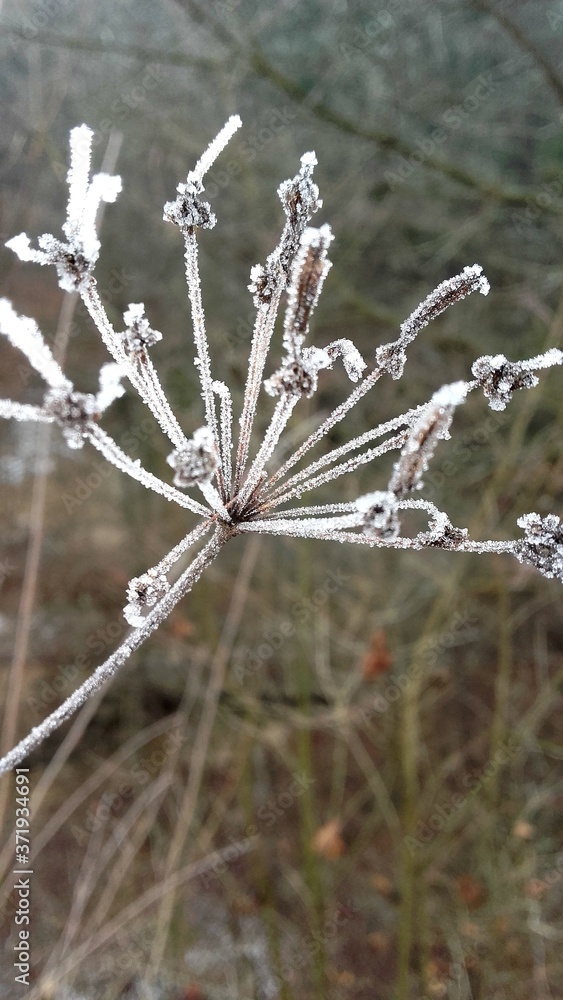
x=330 y=774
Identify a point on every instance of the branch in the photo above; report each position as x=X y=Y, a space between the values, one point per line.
x=108 y=669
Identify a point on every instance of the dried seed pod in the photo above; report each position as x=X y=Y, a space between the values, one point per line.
x=542 y=546
x=308 y=273
x=381 y=518
x=197 y=462
x=138 y=334
x=432 y=425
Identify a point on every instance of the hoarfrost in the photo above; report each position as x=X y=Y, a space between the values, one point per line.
x=241 y=492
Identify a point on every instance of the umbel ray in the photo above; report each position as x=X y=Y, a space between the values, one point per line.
x=240 y=489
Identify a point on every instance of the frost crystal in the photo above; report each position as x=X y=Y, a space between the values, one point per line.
x=187 y=211
x=144 y=592
x=432 y=425
x=197 y=462
x=246 y=490
x=75 y=259
x=138 y=335
x=24 y=334
x=499 y=378
x=392 y=357
x=380 y=515
x=74 y=412
x=542 y=546
x=442 y=534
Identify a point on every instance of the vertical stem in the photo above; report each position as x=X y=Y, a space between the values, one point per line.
x=502 y=689
x=409 y=749
x=412 y=884
x=306 y=801
x=263 y=330
x=263 y=880
x=191 y=257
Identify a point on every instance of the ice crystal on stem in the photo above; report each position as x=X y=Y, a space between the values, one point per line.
x=197 y=463
x=432 y=425
x=499 y=378
x=543 y=544
x=144 y=592
x=139 y=335
x=76 y=258
x=241 y=493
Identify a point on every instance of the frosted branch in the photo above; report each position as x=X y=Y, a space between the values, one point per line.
x=216 y=147
x=392 y=357
x=499 y=378
x=133 y=468
x=356 y=443
x=247 y=498
x=432 y=425
x=24 y=334
x=256 y=475
x=75 y=259
x=300 y=199
x=338 y=470
x=226 y=434
x=179 y=589
x=9 y=409
x=143 y=592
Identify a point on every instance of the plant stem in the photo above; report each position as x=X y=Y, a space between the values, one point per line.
x=110 y=667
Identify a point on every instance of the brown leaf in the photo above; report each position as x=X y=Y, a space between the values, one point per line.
x=379 y=941
x=328 y=840
x=523 y=830
x=378 y=659
x=193 y=992
x=181 y=628
x=382 y=884
x=472 y=892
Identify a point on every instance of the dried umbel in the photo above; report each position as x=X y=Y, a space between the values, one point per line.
x=239 y=494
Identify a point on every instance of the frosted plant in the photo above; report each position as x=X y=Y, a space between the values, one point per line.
x=243 y=491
